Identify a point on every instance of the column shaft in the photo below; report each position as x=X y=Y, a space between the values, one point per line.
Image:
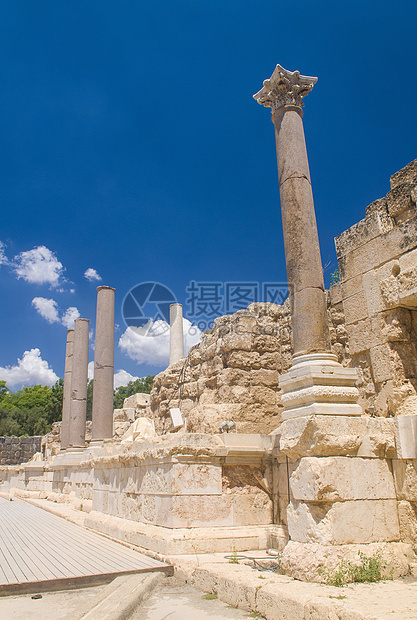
x=302 y=250
x=176 y=333
x=78 y=406
x=66 y=401
x=103 y=365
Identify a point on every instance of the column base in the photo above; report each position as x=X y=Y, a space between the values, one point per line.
x=317 y=384
x=71 y=456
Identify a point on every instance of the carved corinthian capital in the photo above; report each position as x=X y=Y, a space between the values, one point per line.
x=284 y=88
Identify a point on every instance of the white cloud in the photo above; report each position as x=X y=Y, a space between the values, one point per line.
x=122 y=377
x=69 y=317
x=91 y=274
x=47 y=308
x=38 y=266
x=3 y=257
x=30 y=370
x=90 y=370
x=154 y=350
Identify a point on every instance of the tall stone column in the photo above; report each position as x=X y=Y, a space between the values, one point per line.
x=103 y=366
x=66 y=401
x=316 y=383
x=78 y=403
x=176 y=333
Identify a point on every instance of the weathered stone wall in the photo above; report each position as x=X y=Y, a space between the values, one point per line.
x=377 y=295
x=16 y=450
x=232 y=374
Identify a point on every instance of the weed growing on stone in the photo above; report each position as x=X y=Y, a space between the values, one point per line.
x=233 y=559
x=255 y=614
x=370 y=570
x=334 y=277
x=210 y=597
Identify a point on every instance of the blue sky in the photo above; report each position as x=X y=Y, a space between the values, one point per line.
x=131 y=145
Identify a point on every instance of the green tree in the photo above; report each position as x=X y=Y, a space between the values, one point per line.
x=53 y=409
x=90 y=387
x=3 y=389
x=31 y=410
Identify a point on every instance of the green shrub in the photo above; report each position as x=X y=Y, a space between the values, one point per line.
x=370 y=570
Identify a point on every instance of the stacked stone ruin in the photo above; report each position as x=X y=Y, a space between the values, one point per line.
x=321 y=394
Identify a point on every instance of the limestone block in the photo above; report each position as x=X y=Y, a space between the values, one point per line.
x=130 y=413
x=306 y=561
x=131 y=506
x=379 y=205
x=400 y=290
x=233 y=341
x=404 y=175
x=321 y=435
x=157 y=479
x=372 y=285
x=276 y=602
x=343 y=523
x=352 y=285
x=361 y=337
x=267 y=378
x=233 y=376
x=355 y=308
x=378 y=440
x=406 y=436
x=245 y=324
x=237 y=589
x=361 y=233
x=339 y=478
x=244 y=360
x=118 y=415
x=336 y=293
x=252 y=509
x=194 y=511
x=407 y=515
x=401 y=239
x=408 y=261
x=196 y=479
x=399 y=198
x=361 y=259
x=266 y=344
x=381 y=363
x=136 y=400
x=271 y=361
x=405 y=478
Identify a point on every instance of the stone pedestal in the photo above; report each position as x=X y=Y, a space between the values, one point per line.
x=176 y=334
x=103 y=366
x=66 y=401
x=78 y=404
x=317 y=384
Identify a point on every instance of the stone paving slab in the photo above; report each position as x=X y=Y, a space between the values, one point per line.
x=40 y=551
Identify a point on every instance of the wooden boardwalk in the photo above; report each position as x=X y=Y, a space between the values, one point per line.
x=40 y=551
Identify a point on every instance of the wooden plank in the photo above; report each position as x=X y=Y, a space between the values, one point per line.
x=97 y=545
x=35 y=550
x=37 y=547
x=52 y=551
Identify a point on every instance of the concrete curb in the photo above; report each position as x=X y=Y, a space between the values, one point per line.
x=121 y=598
